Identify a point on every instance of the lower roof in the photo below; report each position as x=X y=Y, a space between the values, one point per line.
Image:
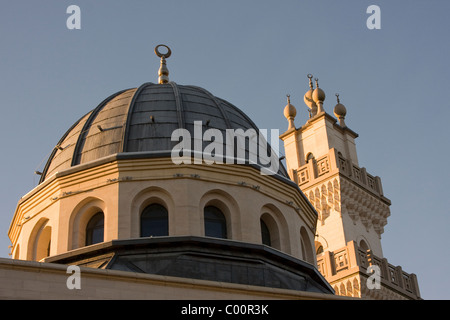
x=201 y=258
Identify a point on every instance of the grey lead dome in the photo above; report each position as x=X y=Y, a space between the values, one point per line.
x=140 y=121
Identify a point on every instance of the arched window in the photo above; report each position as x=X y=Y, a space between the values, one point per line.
x=363 y=245
x=306 y=248
x=215 y=223
x=43 y=243
x=319 y=250
x=265 y=233
x=154 y=221
x=319 y=247
x=95 y=229
x=309 y=157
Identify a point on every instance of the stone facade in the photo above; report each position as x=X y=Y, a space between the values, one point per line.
x=52 y=219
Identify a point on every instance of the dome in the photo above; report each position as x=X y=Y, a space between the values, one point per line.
x=318 y=95
x=340 y=110
x=140 y=122
x=289 y=110
x=308 y=99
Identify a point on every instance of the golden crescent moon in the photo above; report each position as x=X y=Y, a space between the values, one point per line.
x=165 y=55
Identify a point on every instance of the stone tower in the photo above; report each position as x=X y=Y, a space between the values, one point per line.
x=352 y=210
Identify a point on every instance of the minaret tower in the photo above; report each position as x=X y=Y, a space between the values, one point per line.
x=352 y=210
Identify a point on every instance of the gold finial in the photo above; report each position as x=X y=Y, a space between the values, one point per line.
x=308 y=97
x=318 y=97
x=340 y=111
x=163 y=71
x=310 y=76
x=290 y=112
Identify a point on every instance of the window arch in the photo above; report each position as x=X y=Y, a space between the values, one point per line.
x=215 y=222
x=306 y=248
x=95 y=229
x=265 y=233
x=154 y=221
x=319 y=250
x=43 y=243
x=271 y=235
x=39 y=241
x=320 y=245
x=81 y=215
x=364 y=246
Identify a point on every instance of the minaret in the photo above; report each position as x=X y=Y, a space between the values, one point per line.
x=321 y=157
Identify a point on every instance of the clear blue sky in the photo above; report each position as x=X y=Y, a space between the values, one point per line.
x=393 y=81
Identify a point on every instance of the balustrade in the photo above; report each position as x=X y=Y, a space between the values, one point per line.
x=332 y=264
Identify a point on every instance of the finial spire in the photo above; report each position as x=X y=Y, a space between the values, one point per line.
x=340 y=111
x=318 y=97
x=308 y=98
x=290 y=112
x=310 y=76
x=163 y=71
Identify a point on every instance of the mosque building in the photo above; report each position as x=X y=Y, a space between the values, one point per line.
x=166 y=191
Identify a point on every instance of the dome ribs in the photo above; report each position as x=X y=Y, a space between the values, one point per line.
x=77 y=151
x=126 y=130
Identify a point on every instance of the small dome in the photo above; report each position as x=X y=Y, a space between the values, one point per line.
x=340 y=110
x=140 y=121
x=289 y=110
x=318 y=95
x=309 y=99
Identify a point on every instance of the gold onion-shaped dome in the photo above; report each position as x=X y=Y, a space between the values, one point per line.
x=318 y=94
x=289 y=110
x=308 y=98
x=340 y=110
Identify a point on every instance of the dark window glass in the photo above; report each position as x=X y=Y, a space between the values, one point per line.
x=215 y=223
x=95 y=229
x=319 y=250
x=154 y=221
x=265 y=234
